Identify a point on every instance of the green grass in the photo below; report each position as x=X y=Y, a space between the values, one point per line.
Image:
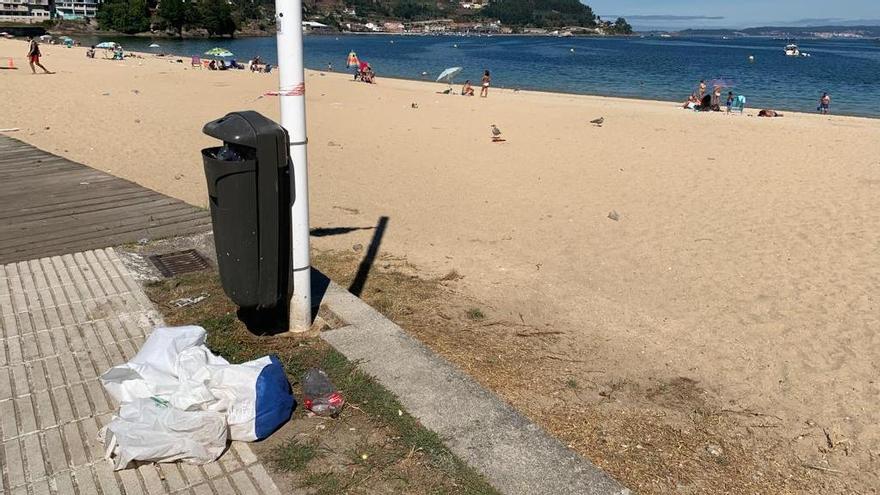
x=571 y=383
x=324 y=483
x=475 y=314
x=293 y=455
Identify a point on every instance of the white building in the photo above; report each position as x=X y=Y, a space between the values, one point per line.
x=76 y=9
x=25 y=11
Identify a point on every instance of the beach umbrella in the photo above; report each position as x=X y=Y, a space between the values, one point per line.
x=448 y=74
x=219 y=52
x=352 y=60
x=46 y=37
x=154 y=45
x=106 y=44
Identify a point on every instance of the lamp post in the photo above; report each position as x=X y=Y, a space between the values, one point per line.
x=288 y=22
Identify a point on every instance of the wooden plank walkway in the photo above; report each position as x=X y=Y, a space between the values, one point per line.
x=52 y=206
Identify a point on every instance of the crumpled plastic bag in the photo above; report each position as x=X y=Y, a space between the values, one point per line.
x=152 y=430
x=174 y=383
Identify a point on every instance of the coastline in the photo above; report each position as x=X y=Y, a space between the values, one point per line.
x=673 y=93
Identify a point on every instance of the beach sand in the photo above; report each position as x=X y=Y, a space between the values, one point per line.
x=745 y=256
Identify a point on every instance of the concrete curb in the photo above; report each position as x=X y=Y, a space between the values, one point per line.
x=515 y=455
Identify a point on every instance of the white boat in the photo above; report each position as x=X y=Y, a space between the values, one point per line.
x=792 y=50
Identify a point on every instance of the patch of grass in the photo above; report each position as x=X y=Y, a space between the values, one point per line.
x=571 y=383
x=475 y=314
x=324 y=483
x=293 y=455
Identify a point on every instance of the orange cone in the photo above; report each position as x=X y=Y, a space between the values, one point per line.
x=10 y=64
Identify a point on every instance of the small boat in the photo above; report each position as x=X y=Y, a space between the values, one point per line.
x=792 y=50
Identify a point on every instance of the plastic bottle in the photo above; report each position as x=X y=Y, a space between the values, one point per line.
x=319 y=394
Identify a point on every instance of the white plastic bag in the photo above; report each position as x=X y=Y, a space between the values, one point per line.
x=152 y=430
x=177 y=371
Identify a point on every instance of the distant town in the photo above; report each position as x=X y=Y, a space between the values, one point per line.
x=246 y=17
x=255 y=17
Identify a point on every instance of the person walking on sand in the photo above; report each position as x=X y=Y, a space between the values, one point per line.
x=484 y=91
x=824 y=103
x=34 y=56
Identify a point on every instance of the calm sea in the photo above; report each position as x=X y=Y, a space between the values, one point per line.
x=653 y=68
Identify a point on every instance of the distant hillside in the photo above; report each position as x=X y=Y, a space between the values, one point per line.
x=511 y=13
x=791 y=32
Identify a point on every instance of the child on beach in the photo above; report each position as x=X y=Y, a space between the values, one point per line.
x=824 y=104
x=467 y=89
x=34 y=56
x=484 y=91
x=729 y=100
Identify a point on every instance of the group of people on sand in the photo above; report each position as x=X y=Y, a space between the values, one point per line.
x=117 y=53
x=223 y=65
x=701 y=101
x=257 y=64
x=468 y=89
x=365 y=73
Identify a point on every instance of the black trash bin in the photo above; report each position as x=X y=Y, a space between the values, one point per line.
x=249 y=190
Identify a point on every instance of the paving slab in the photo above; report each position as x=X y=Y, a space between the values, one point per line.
x=64 y=320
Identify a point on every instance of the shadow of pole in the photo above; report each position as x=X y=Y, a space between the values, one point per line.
x=360 y=279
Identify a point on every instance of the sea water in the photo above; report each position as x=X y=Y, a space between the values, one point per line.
x=651 y=67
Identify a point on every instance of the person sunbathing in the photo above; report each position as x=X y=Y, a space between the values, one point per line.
x=467 y=89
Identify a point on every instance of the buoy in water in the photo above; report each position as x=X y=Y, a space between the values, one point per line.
x=455 y=46
x=751 y=58
x=572 y=50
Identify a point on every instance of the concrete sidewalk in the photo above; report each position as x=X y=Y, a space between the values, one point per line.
x=63 y=321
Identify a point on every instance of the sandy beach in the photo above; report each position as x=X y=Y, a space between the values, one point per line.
x=745 y=254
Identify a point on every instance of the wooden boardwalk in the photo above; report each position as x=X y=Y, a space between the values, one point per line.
x=51 y=206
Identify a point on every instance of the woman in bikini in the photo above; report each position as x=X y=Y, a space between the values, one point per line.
x=484 y=91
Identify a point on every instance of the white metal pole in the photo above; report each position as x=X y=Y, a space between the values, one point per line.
x=288 y=18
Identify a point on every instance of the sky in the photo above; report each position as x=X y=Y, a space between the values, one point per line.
x=681 y=14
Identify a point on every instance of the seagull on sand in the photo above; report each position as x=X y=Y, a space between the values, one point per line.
x=496 y=133
x=598 y=122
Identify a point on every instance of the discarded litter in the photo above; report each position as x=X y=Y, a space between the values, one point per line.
x=179 y=401
x=613 y=215
x=189 y=301
x=319 y=394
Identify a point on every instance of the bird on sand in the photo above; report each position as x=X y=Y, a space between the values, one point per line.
x=496 y=133
x=598 y=122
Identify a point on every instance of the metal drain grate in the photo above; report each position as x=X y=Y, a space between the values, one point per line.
x=179 y=262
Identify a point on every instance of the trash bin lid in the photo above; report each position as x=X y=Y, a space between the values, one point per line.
x=242 y=128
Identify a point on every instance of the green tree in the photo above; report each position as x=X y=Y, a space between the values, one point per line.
x=621 y=26
x=178 y=14
x=410 y=10
x=125 y=16
x=542 y=13
x=216 y=17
